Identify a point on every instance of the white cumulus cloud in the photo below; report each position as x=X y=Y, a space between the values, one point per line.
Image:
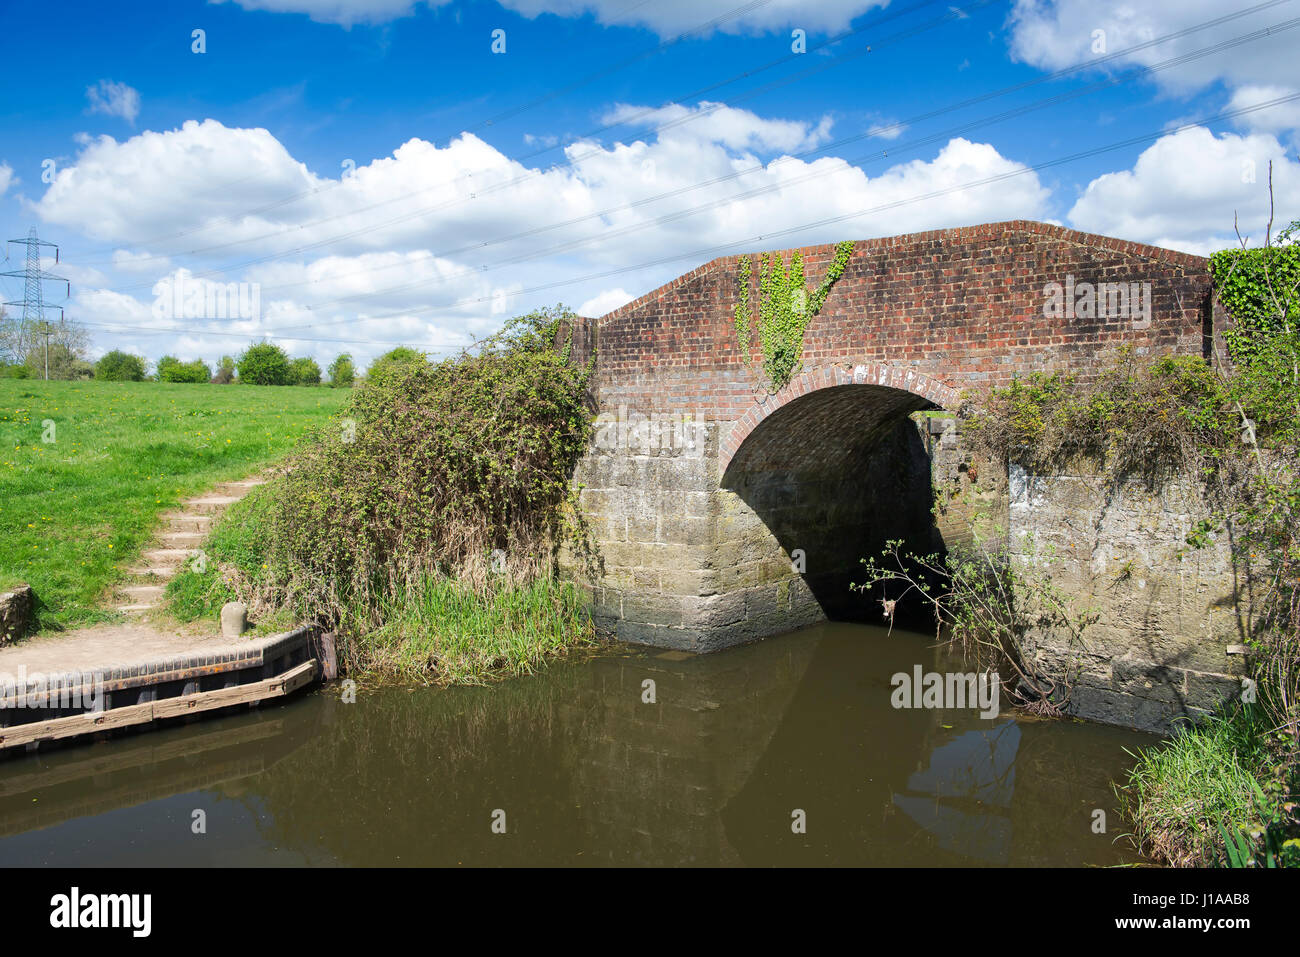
x=1186 y=188
x=727 y=126
x=606 y=301
x=1278 y=118
x=434 y=245
x=1053 y=34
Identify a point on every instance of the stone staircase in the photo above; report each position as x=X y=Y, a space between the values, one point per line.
x=177 y=542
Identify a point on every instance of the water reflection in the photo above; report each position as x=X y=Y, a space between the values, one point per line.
x=588 y=773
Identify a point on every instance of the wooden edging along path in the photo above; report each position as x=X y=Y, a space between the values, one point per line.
x=151 y=711
x=70 y=704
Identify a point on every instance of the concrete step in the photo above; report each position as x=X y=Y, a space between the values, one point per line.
x=183 y=538
x=142 y=592
x=170 y=517
x=188 y=523
x=167 y=553
x=211 y=503
x=141 y=571
x=134 y=608
x=246 y=483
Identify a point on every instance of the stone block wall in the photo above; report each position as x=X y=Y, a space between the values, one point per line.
x=1167 y=610
x=692 y=562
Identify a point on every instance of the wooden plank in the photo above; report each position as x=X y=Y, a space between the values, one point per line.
x=296 y=678
x=328 y=655
x=88 y=723
x=239 y=694
x=75 y=724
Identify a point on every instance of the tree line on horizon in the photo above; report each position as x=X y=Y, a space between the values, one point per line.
x=27 y=354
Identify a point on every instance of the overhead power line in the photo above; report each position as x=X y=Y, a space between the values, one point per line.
x=749 y=241
x=607 y=234
x=818 y=149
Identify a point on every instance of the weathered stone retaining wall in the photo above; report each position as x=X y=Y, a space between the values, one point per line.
x=1167 y=612
x=692 y=564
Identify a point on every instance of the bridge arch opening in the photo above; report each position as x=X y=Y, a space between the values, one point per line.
x=826 y=476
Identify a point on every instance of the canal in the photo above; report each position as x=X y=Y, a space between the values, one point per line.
x=575 y=766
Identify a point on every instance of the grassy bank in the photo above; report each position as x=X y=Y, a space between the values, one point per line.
x=87 y=467
x=1217 y=794
x=436 y=628
x=425 y=535
x=439 y=627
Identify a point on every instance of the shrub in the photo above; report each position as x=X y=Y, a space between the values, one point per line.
x=304 y=371
x=64 y=363
x=1143 y=417
x=1260 y=288
x=119 y=366
x=986 y=605
x=396 y=357
x=341 y=372
x=264 y=364
x=171 y=369
x=442 y=466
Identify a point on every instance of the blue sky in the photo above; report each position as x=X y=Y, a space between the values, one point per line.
x=379 y=174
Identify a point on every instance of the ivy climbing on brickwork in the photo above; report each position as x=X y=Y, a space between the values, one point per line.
x=1260 y=289
x=785 y=307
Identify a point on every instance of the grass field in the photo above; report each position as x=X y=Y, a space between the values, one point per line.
x=87 y=467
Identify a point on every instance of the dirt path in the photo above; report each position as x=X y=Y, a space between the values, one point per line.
x=139 y=639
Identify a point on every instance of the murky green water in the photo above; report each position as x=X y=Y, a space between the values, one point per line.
x=587 y=773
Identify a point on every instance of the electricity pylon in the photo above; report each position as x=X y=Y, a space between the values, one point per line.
x=33 y=302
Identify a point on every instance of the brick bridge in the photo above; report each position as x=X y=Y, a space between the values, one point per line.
x=754 y=523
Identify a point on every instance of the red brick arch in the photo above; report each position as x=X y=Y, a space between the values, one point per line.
x=904 y=378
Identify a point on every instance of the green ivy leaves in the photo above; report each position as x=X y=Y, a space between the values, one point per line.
x=785 y=309
x=1260 y=289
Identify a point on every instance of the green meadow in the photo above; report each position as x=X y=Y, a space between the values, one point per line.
x=87 y=467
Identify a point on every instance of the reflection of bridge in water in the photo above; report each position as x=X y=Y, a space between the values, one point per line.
x=589 y=774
